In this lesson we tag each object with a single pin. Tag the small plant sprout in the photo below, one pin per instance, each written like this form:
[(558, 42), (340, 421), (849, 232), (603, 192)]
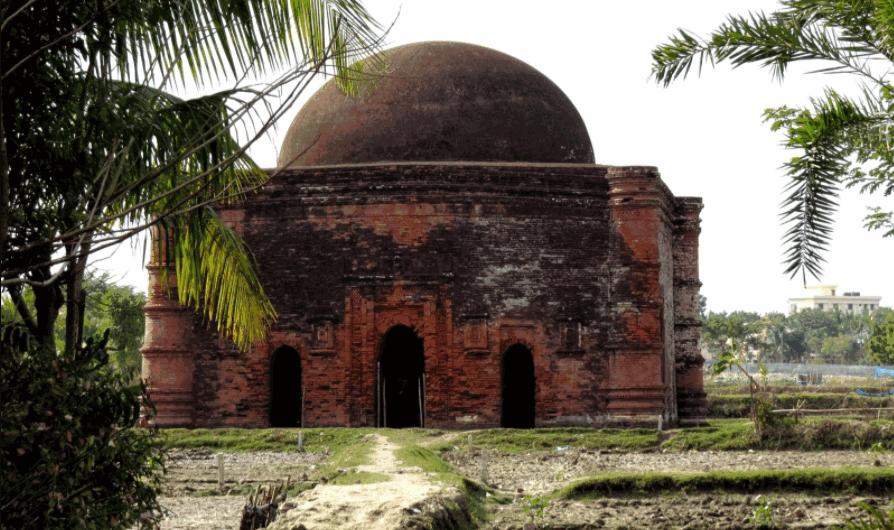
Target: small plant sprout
[(763, 514), (762, 399), (875, 451), (534, 507)]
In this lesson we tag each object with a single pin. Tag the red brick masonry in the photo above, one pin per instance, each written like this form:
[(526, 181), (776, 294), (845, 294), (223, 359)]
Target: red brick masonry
[(593, 269)]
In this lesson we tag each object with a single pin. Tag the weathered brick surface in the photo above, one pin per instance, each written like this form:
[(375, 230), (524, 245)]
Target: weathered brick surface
[(691, 399), (592, 268)]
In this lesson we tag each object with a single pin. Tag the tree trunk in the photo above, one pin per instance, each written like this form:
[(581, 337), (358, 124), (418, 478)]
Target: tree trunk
[(47, 302), (76, 299)]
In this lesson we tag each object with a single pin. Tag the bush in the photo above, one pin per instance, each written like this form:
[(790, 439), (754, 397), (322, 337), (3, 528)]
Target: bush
[(71, 456)]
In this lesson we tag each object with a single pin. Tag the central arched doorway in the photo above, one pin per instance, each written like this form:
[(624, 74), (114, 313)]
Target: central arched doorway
[(400, 380), (518, 388), (286, 400)]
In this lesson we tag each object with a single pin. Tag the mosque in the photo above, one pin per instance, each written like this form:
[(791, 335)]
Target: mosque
[(444, 251)]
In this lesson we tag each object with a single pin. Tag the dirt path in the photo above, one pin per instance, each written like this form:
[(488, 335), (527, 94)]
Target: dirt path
[(377, 506)]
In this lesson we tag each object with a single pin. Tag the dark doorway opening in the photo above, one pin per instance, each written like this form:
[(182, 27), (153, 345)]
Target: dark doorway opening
[(400, 380), (518, 388), (286, 397)]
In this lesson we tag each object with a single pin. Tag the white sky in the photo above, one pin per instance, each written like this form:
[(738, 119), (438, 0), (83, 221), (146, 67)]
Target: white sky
[(705, 134)]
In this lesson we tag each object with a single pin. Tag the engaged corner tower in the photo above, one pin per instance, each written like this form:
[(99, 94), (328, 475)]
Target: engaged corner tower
[(443, 251)]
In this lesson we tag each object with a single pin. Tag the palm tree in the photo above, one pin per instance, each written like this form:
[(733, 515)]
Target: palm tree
[(850, 36), (96, 150)]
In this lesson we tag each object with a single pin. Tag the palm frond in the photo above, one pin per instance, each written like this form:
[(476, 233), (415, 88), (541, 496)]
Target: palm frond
[(181, 159), (207, 41), (821, 134), (215, 274), (772, 41), (838, 136)]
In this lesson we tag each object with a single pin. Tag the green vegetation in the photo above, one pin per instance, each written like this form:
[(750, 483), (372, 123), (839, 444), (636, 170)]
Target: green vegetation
[(116, 308), (761, 396), (839, 140), (726, 435), (124, 150), (546, 439), (410, 436), (232, 440), (810, 335), (422, 458), (358, 477), (69, 455), (825, 481), (534, 507), (739, 405), (347, 456), (881, 341), (807, 434)]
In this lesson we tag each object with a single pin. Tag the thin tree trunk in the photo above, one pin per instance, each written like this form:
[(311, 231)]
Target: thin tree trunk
[(71, 306), (76, 299), (81, 293)]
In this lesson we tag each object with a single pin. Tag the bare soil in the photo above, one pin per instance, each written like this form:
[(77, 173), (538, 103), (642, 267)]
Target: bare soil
[(699, 511), (538, 474), (541, 473), (391, 504)]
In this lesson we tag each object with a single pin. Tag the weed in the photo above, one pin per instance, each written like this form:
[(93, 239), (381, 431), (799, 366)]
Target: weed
[(762, 399), (534, 507), (764, 515), (875, 450)]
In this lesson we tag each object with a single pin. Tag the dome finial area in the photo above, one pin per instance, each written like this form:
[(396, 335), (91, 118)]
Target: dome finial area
[(441, 101)]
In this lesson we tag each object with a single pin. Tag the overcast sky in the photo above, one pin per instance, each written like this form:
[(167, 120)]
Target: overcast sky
[(705, 134)]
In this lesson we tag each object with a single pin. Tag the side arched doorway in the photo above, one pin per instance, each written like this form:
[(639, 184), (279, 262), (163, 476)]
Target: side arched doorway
[(286, 403), (400, 380), (517, 388)]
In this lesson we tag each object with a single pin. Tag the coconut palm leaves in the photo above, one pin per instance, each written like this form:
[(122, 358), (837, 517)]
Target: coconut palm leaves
[(836, 136), (97, 150)]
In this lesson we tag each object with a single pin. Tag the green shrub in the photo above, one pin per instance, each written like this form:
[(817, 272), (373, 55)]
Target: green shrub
[(71, 456)]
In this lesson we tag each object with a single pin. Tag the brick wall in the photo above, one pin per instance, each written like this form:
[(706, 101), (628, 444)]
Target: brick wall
[(575, 262)]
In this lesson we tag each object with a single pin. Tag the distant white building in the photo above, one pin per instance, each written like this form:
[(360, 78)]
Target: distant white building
[(827, 300)]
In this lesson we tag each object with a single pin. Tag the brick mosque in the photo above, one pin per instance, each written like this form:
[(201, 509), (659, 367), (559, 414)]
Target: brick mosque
[(445, 252)]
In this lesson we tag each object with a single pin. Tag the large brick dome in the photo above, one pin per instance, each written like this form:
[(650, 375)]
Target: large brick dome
[(441, 101)]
